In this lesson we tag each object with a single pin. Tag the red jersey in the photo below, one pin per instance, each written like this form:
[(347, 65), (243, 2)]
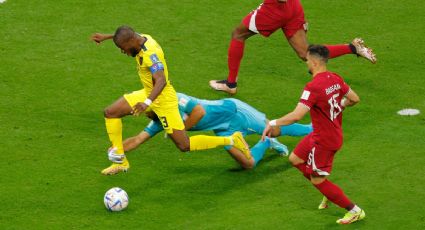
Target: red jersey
[(323, 97)]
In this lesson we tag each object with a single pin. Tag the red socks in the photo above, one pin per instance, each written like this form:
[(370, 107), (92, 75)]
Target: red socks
[(234, 57), (329, 189), (236, 48), (334, 194), (339, 50)]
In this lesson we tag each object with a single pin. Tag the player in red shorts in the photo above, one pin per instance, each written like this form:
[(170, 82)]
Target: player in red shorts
[(271, 15), (325, 97)]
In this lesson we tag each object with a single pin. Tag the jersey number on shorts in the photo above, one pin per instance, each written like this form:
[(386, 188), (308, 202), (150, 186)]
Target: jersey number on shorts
[(310, 160), (164, 122), (335, 108)]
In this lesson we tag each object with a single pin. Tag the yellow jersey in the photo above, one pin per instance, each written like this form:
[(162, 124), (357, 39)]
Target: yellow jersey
[(149, 60)]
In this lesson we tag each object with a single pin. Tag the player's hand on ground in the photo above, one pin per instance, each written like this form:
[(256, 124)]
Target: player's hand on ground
[(98, 37), (267, 132), (139, 108)]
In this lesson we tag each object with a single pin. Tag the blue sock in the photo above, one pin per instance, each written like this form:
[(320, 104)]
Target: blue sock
[(295, 130), (259, 149)]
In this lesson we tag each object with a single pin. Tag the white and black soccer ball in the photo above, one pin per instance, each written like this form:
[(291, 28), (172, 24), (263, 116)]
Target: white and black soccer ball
[(115, 199)]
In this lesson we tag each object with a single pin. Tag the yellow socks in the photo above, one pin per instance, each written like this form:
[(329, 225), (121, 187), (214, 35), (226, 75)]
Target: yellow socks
[(200, 142), (114, 129)]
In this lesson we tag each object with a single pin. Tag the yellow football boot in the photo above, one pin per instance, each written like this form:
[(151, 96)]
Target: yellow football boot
[(324, 203), (240, 143), (351, 217), (117, 168)]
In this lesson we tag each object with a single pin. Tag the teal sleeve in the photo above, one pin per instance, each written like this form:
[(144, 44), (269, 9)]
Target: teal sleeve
[(153, 128), (186, 103), (190, 105)]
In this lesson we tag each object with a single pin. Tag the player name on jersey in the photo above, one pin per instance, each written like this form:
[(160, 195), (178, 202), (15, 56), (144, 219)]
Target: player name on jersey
[(332, 89)]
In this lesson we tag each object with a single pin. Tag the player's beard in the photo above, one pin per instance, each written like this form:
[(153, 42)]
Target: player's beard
[(134, 52)]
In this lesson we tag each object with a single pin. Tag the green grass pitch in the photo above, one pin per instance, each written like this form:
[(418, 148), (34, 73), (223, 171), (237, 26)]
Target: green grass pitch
[(54, 84)]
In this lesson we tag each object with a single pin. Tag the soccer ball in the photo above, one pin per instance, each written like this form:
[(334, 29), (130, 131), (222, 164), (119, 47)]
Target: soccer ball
[(115, 199)]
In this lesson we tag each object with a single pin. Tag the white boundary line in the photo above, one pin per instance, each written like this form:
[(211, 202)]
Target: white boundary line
[(408, 112)]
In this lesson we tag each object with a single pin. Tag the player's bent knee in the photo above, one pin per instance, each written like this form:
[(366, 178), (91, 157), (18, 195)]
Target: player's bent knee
[(183, 147), (116, 112), (248, 166), (236, 34), (241, 33), (317, 179), (295, 160), (109, 113)]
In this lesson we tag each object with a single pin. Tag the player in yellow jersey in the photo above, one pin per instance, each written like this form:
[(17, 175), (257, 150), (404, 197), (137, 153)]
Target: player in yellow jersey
[(160, 97)]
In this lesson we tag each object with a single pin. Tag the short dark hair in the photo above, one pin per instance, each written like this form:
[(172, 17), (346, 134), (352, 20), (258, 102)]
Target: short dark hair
[(123, 34), (319, 51)]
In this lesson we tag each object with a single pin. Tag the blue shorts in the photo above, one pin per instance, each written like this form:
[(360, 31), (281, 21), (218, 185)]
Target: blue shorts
[(247, 121)]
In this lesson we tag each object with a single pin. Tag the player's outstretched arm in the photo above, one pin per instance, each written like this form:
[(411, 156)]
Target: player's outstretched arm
[(98, 37), (350, 99), (297, 114), (133, 142), (158, 85), (194, 117)]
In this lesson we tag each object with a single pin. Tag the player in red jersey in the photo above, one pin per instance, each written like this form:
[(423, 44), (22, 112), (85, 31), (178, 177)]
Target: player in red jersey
[(325, 97), (271, 15)]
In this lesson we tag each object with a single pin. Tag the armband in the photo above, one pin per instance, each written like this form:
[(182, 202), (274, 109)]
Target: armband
[(148, 102)]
